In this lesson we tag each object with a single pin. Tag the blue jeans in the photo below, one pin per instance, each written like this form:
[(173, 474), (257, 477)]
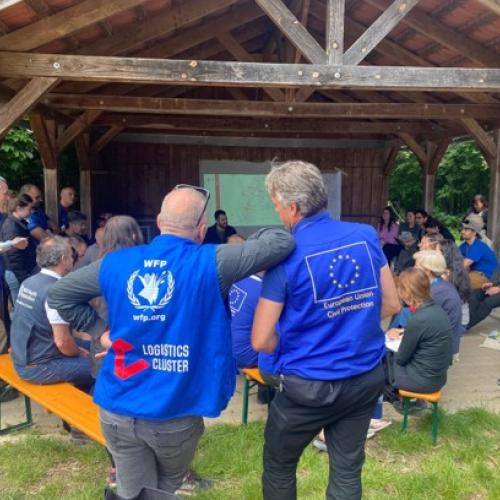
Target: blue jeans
[(73, 370), (13, 284)]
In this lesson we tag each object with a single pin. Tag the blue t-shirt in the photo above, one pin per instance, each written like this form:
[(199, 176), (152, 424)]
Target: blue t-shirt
[(243, 299), (329, 328), (483, 257), (38, 219)]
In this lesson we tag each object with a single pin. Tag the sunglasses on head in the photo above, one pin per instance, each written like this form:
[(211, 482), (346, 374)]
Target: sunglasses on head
[(203, 191)]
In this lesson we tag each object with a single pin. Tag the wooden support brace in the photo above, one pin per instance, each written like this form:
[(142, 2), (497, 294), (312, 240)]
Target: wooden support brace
[(23, 101), (335, 14), (390, 160), (494, 199), (415, 147), (485, 143), (80, 124), (378, 31), (294, 31), (49, 161), (106, 138)]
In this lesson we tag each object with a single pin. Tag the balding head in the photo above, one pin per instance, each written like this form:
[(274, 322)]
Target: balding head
[(180, 214)]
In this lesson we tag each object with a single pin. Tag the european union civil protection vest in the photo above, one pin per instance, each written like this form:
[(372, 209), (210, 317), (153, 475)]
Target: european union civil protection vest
[(330, 325), (171, 352)]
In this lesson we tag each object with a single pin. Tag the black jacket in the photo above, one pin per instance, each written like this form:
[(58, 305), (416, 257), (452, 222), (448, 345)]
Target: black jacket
[(20, 262), (212, 235)]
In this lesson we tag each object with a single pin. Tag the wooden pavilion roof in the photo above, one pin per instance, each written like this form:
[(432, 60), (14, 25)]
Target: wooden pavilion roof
[(406, 71)]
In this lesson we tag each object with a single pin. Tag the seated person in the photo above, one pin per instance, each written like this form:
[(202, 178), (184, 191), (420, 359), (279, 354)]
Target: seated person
[(43, 349), (410, 225), (483, 300), (220, 231), (433, 226), (479, 258), (405, 258), (425, 353), (433, 263)]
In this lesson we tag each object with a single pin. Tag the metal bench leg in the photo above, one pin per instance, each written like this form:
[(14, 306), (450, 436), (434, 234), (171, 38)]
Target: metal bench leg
[(406, 411), (435, 422), (246, 391), (27, 423)]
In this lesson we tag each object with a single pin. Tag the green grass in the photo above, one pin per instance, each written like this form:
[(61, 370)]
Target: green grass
[(464, 465)]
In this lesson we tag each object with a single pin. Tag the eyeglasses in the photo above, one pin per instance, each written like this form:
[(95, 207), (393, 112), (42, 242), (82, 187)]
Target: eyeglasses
[(203, 191)]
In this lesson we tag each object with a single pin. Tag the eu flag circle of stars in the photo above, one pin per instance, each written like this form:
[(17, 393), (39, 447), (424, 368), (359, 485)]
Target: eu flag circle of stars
[(340, 259)]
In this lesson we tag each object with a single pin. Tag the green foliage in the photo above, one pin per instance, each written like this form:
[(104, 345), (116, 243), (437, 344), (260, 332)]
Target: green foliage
[(463, 172), (19, 159)]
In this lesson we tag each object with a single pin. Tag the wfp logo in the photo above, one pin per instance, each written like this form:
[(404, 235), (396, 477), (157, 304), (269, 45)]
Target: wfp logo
[(341, 271), (143, 291)]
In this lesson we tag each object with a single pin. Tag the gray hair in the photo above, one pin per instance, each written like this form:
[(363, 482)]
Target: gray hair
[(299, 182), (182, 212), (3, 180), (121, 231), (50, 250)]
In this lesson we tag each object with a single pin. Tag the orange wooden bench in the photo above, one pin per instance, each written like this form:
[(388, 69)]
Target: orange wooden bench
[(64, 400)]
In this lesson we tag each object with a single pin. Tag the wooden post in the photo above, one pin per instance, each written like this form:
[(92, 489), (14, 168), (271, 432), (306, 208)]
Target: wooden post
[(494, 200), (434, 155), (50, 170), (85, 163), (429, 185)]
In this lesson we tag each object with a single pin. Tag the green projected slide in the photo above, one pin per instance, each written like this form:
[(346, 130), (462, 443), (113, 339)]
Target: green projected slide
[(243, 197)]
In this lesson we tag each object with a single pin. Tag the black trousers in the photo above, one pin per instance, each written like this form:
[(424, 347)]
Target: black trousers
[(480, 306), (343, 409)]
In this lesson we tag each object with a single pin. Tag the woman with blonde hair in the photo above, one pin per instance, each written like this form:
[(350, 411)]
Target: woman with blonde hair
[(433, 263), (423, 358)]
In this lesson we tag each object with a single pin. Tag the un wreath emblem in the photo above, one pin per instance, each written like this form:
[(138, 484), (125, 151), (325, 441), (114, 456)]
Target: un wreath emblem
[(151, 285)]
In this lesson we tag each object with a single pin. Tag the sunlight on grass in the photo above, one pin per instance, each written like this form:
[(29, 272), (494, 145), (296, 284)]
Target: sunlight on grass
[(464, 464)]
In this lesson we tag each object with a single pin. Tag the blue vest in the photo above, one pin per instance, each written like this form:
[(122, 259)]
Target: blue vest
[(171, 354), (330, 325)]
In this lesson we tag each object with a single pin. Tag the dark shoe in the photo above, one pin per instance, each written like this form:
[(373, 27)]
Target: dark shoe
[(79, 438), (193, 483), (8, 394), (416, 406)]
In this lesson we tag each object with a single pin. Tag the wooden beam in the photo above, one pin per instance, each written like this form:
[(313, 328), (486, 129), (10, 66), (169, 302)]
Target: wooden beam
[(255, 125), (38, 6), (435, 153), (306, 5), (383, 25), (238, 51), (162, 24), (12, 111), (49, 161), (63, 23), (158, 105), (81, 124), (135, 70), (390, 160), (415, 147), (85, 163), (293, 30), (483, 140), (106, 138), (429, 26), (335, 14), (494, 199), (493, 5)]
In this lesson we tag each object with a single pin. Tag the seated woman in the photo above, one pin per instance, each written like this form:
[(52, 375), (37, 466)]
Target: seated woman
[(433, 263), (423, 358)]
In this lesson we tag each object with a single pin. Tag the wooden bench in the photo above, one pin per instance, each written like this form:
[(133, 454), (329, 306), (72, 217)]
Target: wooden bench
[(64, 400), (432, 397)]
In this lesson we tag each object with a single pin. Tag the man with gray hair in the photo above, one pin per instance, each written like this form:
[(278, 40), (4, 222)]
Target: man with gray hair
[(326, 301), (170, 360), (43, 348)]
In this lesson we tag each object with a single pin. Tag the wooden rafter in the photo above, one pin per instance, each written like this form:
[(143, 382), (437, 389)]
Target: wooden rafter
[(485, 143), (159, 25), (306, 5), (382, 26), (428, 26), (158, 105), (216, 73), (12, 111), (293, 30), (63, 23), (335, 15)]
